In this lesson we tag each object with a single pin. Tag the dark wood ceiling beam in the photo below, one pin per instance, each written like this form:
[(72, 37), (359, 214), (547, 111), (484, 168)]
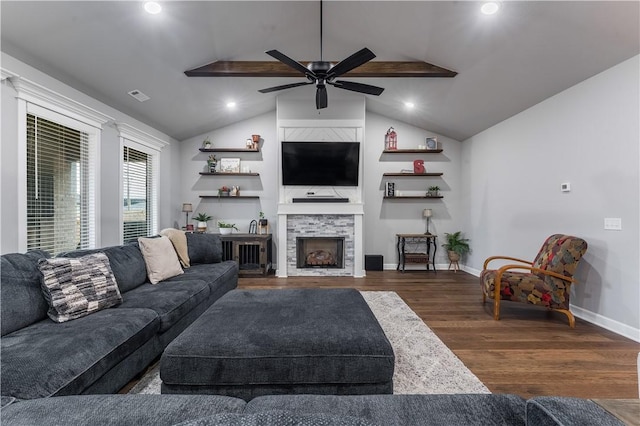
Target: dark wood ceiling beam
[(278, 69)]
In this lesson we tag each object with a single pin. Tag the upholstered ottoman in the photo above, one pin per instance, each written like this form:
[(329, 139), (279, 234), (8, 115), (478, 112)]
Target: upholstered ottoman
[(265, 342)]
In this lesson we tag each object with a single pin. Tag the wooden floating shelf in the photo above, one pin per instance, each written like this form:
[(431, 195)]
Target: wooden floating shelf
[(412, 174), (229, 150), (410, 197), (412, 151), (229, 174), (231, 197)]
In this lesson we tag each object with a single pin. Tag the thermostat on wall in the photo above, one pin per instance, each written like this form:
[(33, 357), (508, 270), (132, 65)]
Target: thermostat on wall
[(565, 187)]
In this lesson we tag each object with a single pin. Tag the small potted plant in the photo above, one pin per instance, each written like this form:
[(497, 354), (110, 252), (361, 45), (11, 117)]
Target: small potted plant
[(206, 143), (456, 246), (433, 191), (224, 191), (212, 162), (226, 228), (262, 221), (202, 219)]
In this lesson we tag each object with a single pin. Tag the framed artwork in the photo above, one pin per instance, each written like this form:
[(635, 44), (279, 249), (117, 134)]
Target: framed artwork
[(432, 143), (229, 165)]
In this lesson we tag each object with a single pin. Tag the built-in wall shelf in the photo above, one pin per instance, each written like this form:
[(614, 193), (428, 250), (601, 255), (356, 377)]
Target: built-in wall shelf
[(231, 197), (412, 151), (412, 174), (411, 197), (229, 174), (229, 150)]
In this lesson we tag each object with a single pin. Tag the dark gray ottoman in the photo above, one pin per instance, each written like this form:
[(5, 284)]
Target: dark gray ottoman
[(266, 342)]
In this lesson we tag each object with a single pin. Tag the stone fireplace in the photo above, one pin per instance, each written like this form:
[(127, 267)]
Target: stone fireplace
[(320, 252), (332, 230)]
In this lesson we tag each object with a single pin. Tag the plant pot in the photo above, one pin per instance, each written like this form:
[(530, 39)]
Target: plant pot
[(263, 222), (202, 227), (225, 231), (223, 193), (453, 256)]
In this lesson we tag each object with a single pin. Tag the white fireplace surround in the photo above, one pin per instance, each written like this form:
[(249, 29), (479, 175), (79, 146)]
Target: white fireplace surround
[(286, 265)]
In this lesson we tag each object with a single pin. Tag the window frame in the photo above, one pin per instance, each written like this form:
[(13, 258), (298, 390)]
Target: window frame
[(45, 103)]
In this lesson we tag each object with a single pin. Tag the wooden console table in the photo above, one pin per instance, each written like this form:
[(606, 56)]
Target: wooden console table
[(251, 251), (427, 257)]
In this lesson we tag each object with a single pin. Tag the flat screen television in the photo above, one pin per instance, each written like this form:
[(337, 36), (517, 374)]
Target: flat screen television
[(320, 163)]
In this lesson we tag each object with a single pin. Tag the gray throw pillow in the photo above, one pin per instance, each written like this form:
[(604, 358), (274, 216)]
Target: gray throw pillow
[(77, 287)]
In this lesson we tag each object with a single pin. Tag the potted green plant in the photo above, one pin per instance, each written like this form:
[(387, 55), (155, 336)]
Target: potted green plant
[(456, 246), (202, 219), (206, 144), (262, 221), (433, 191), (226, 228)]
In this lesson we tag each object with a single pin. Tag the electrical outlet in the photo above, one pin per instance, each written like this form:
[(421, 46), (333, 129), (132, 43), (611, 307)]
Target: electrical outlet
[(613, 223), (565, 187)]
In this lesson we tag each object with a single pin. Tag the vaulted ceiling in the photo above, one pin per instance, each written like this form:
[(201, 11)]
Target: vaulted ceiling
[(505, 62)]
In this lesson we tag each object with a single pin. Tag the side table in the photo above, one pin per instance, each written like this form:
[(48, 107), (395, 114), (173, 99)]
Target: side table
[(417, 240)]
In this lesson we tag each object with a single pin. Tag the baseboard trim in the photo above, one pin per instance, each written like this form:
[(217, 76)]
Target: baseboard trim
[(607, 323)]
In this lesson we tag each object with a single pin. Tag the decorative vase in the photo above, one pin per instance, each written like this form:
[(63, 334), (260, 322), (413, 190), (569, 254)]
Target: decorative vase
[(225, 231), (202, 227)]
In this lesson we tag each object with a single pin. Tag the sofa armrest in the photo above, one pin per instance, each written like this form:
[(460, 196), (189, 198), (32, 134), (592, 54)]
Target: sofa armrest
[(566, 411)]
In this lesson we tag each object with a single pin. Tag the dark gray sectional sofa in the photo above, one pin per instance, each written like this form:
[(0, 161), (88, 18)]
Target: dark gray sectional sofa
[(102, 352), (383, 410)]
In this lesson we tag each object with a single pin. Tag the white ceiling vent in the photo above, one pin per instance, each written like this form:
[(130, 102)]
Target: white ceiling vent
[(139, 95)]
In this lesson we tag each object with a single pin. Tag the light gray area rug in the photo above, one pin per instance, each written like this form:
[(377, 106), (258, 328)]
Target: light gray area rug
[(424, 365)]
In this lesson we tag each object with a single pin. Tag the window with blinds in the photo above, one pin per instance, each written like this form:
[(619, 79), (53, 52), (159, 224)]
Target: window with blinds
[(59, 187), (138, 194)]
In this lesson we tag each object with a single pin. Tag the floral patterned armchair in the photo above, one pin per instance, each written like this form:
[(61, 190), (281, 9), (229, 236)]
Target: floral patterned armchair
[(546, 281)]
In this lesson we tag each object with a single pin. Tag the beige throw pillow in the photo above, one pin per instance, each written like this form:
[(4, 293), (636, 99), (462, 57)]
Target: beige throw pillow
[(160, 258), (179, 240)]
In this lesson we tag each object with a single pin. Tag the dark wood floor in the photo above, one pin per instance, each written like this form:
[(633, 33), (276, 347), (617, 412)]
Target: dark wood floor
[(529, 352)]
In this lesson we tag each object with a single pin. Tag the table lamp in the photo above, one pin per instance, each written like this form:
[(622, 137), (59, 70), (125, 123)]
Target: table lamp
[(427, 213), (187, 208)]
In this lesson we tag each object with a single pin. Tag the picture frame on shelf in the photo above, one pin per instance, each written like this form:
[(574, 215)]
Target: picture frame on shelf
[(229, 165), (432, 143)]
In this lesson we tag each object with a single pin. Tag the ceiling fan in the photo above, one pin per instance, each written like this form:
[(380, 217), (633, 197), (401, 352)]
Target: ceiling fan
[(322, 73)]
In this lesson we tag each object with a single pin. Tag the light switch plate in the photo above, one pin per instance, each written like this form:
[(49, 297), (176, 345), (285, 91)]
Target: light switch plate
[(613, 223), (565, 187)]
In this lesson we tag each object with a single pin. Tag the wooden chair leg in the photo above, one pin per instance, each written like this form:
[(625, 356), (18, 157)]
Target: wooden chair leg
[(496, 308), (572, 320)]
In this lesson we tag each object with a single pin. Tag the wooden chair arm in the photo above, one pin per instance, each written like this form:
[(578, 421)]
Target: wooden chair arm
[(489, 259)]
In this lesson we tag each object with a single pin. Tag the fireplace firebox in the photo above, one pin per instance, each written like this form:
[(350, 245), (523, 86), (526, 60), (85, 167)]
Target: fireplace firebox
[(320, 252)]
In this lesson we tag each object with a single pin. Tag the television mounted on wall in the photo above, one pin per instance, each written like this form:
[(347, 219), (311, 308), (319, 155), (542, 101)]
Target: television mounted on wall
[(320, 163)]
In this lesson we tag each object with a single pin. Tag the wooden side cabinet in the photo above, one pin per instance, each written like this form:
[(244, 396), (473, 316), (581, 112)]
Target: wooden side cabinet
[(253, 252)]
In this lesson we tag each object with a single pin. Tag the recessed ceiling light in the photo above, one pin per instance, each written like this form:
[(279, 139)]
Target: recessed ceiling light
[(152, 7), (409, 105), (231, 105), (489, 8)]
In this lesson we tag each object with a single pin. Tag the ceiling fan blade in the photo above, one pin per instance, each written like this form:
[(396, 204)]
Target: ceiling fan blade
[(321, 97), (358, 87), (284, 86), (290, 62), (353, 61)]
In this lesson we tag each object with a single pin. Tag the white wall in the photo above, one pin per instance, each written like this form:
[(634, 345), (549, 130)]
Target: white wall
[(587, 135), (109, 191), (384, 219)]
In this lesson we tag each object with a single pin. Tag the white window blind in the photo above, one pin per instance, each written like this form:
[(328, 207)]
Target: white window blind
[(60, 187), (139, 194)]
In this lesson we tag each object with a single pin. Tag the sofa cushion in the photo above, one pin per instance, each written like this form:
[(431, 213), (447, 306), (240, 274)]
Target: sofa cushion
[(48, 358), (276, 418), (126, 263), (78, 287), (22, 300), (170, 300), (99, 410), (204, 248), (160, 257), (178, 239), (565, 411), (436, 410), (221, 277)]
